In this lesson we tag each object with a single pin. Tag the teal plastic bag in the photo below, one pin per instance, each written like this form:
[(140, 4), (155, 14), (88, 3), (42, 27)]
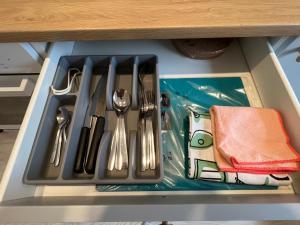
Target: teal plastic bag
[(199, 94)]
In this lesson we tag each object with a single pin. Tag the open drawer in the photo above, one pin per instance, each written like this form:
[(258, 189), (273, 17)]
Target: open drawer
[(250, 57)]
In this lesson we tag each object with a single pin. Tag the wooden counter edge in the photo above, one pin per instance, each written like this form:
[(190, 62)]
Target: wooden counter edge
[(151, 33)]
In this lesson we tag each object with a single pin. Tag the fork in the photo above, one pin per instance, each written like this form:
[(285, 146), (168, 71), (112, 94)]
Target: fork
[(147, 136)]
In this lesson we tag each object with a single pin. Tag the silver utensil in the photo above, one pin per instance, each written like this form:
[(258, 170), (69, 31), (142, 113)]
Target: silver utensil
[(142, 95), (147, 135), (165, 118), (147, 105), (60, 121), (149, 130), (61, 137), (143, 109), (118, 157)]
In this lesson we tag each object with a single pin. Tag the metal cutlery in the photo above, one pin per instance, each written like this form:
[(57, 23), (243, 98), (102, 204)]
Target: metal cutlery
[(61, 137), (165, 105), (148, 155), (143, 105), (92, 131), (147, 105), (118, 157)]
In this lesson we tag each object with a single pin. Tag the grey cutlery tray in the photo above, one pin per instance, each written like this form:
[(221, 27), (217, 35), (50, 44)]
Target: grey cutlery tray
[(122, 72)]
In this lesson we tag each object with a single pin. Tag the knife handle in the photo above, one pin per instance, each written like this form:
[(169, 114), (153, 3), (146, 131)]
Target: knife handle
[(82, 149), (97, 135)]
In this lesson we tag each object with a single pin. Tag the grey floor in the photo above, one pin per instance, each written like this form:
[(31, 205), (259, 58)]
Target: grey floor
[(7, 139)]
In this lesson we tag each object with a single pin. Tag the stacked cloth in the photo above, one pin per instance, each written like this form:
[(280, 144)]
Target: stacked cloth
[(203, 163), (251, 140)]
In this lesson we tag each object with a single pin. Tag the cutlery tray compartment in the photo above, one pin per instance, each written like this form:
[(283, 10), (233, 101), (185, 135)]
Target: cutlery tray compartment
[(39, 170), (122, 72), (40, 167)]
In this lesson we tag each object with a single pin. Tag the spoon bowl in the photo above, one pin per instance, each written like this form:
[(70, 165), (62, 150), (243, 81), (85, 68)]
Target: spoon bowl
[(64, 113), (121, 101)]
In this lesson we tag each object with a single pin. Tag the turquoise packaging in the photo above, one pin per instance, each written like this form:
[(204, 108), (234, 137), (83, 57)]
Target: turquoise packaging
[(199, 94)]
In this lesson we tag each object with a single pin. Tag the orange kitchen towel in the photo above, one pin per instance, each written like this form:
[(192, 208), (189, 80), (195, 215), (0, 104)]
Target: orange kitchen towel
[(251, 140)]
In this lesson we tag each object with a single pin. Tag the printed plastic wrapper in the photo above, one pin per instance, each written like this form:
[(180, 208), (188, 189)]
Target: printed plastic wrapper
[(196, 94)]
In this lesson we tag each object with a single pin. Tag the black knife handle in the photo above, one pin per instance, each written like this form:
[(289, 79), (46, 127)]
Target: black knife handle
[(97, 135), (82, 149)]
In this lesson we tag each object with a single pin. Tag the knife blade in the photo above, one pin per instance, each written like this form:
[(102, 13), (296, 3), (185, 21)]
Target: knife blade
[(85, 139)]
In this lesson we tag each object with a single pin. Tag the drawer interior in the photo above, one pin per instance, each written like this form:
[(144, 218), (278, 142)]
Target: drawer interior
[(250, 58)]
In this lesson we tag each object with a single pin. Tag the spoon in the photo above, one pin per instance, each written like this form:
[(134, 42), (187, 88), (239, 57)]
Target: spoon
[(119, 155), (121, 101), (62, 120), (63, 138)]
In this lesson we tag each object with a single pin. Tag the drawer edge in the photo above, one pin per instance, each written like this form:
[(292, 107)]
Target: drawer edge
[(154, 208), (13, 174)]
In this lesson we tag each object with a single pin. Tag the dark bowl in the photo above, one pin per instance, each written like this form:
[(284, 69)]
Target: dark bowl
[(203, 48)]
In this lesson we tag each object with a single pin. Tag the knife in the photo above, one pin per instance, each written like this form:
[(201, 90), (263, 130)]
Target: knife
[(97, 130), (92, 131)]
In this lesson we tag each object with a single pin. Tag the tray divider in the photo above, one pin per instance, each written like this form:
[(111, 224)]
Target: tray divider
[(111, 82), (157, 136), (134, 91), (103, 154), (61, 71), (132, 155)]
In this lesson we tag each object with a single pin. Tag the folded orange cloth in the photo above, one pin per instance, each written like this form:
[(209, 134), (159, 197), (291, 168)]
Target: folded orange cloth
[(251, 140)]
